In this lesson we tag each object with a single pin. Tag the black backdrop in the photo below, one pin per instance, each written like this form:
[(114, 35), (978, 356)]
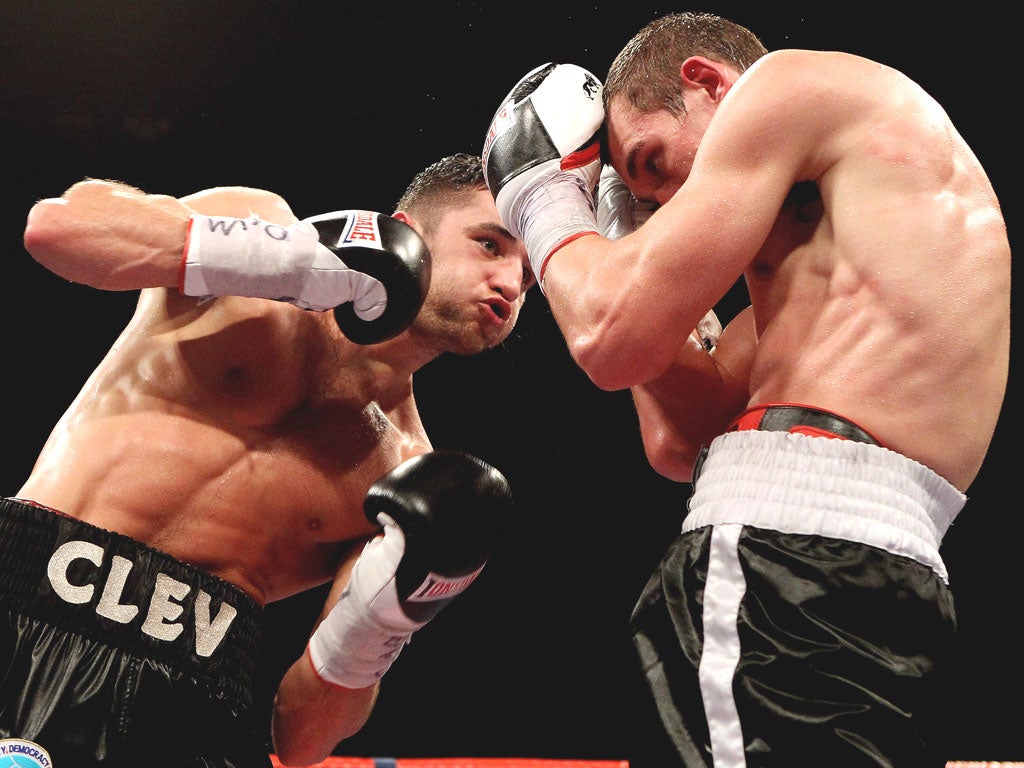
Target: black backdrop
[(336, 105)]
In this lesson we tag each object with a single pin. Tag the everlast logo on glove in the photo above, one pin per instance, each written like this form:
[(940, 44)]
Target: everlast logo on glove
[(80, 572)]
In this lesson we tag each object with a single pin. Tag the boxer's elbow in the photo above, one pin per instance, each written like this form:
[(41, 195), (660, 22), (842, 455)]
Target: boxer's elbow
[(614, 362), (45, 231), (670, 451), (296, 746), (670, 458), (294, 754)]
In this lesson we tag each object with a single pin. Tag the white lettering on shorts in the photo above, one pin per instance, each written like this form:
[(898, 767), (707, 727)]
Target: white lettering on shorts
[(165, 602)]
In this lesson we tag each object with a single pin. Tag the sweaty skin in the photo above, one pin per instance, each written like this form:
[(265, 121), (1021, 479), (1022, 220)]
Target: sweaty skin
[(241, 435), (870, 239)]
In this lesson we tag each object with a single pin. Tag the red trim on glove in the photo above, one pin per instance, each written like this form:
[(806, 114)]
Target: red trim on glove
[(184, 257), (569, 239), (581, 157)]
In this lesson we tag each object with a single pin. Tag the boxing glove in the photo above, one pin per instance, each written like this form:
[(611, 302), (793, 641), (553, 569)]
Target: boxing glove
[(619, 213), (442, 514), (387, 250), (376, 290), (542, 159)]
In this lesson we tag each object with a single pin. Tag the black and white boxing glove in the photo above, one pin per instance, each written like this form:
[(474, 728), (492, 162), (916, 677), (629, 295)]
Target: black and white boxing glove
[(372, 269), (442, 512), (619, 213), (542, 158)]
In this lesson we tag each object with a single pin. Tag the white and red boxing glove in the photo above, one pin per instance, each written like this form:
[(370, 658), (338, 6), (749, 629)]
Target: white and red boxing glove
[(443, 513), (619, 213), (376, 290), (542, 158)]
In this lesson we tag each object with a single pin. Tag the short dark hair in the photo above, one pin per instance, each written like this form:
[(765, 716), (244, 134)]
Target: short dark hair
[(440, 186), (646, 70)]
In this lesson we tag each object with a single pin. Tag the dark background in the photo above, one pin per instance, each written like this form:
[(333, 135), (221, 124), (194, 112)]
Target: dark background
[(336, 105)]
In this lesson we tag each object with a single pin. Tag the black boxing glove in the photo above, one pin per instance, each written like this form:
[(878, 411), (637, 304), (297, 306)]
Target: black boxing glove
[(376, 290), (443, 513), (384, 249)]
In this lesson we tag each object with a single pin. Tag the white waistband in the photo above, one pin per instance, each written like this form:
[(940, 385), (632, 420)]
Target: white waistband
[(818, 485)]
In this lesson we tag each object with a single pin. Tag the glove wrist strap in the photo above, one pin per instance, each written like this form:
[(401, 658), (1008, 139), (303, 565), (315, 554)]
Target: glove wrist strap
[(553, 213), (361, 637), (227, 256), (351, 649)]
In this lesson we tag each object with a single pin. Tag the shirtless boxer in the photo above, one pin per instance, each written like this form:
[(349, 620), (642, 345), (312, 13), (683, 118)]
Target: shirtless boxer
[(803, 616), (236, 447)]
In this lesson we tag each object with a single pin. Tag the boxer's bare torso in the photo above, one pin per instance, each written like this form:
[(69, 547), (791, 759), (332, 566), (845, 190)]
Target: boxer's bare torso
[(233, 438), (237, 435), (870, 239)]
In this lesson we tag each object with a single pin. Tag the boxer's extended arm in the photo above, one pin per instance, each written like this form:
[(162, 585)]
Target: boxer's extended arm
[(442, 513), (112, 236), (236, 241), (373, 268), (109, 235)]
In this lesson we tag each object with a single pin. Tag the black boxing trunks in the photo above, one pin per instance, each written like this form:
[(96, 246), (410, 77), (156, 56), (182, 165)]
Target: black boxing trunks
[(803, 615), (116, 654)]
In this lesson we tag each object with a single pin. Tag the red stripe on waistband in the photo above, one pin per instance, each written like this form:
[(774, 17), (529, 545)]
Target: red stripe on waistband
[(800, 419)]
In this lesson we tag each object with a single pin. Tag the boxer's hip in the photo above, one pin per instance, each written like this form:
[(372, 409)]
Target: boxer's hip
[(102, 585), (764, 473)]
